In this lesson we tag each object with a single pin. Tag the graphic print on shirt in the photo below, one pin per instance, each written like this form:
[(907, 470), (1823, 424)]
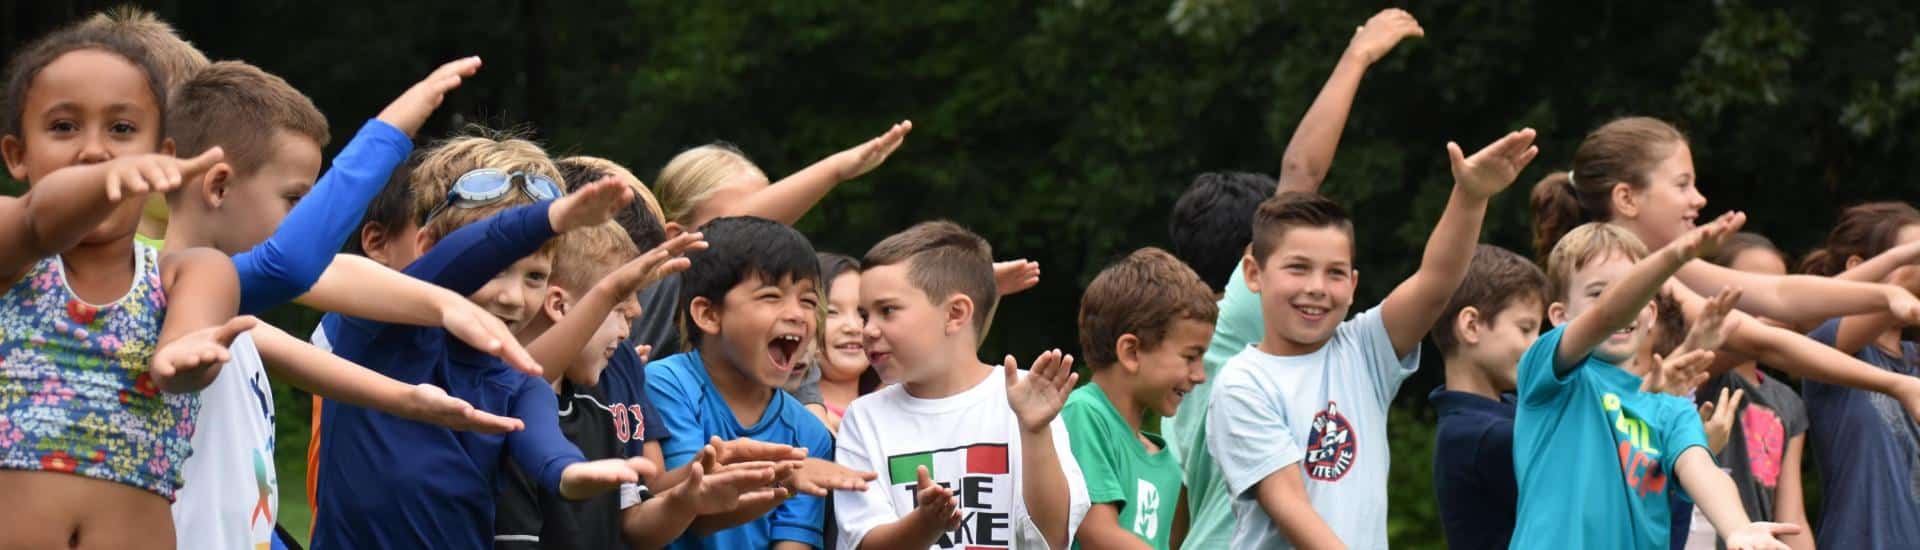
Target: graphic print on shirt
[(1639, 459), (1766, 443), (1146, 518), (980, 480), (628, 430), (1331, 446)]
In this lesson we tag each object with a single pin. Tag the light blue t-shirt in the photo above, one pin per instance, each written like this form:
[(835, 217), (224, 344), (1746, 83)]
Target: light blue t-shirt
[(1594, 455), (1209, 503), (693, 411), (1327, 412)]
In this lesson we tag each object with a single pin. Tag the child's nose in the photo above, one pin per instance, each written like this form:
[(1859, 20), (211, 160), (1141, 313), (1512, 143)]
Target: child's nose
[(94, 150)]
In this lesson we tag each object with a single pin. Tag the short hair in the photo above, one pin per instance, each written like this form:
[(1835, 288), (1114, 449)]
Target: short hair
[(641, 218), (1670, 325), (692, 176), (175, 58), (1293, 209), (739, 248), (584, 256), (1496, 279), (1213, 222), (1142, 294), (943, 259), (1586, 244), (27, 63), (446, 161), (239, 107), (1741, 242), (392, 208)]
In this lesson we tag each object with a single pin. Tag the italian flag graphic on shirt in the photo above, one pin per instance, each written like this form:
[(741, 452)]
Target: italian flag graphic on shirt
[(980, 480)]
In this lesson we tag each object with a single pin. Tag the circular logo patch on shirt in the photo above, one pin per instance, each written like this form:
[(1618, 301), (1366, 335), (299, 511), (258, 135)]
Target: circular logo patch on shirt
[(1330, 445)]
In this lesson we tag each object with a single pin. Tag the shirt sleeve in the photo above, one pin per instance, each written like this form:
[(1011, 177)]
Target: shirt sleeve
[(858, 513), (1683, 429), (799, 519), (1092, 451), (1385, 368), (1538, 385), (1792, 410), (466, 259), (1247, 432), (678, 412), (540, 449), (287, 264), (1826, 333)]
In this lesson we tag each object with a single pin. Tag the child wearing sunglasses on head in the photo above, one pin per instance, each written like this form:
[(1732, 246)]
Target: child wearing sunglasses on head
[(485, 236)]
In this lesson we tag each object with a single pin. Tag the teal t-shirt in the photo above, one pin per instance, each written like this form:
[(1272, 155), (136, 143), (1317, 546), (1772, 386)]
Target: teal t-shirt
[(1209, 502), (1595, 456), (1119, 469)]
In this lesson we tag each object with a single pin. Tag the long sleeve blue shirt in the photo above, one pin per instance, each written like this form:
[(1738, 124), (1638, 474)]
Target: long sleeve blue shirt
[(289, 262), (388, 482)]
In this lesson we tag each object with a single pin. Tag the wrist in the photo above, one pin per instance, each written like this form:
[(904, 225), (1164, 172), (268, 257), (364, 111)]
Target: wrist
[(1356, 56)]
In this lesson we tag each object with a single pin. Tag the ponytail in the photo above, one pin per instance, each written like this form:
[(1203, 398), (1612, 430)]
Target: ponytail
[(1556, 210)]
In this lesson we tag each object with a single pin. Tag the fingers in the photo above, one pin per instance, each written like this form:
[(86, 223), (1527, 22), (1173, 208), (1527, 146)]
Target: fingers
[(485, 422), (203, 161), (1457, 158), (1010, 370), (1734, 402), (642, 467), (761, 497), (225, 334), (465, 66), (1779, 528)]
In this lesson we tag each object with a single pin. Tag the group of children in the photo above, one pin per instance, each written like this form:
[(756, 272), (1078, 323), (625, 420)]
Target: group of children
[(528, 352)]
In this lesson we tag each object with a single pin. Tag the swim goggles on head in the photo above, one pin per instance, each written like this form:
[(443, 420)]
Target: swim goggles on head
[(487, 186)]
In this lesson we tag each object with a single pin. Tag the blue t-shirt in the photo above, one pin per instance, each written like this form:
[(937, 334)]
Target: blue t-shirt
[(1473, 468), (1869, 456), (388, 482), (694, 411), (1593, 455)]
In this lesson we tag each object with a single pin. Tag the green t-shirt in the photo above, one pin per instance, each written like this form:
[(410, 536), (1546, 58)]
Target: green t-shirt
[(1119, 469)]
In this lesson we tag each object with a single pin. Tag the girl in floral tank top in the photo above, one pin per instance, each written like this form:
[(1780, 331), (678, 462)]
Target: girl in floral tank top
[(76, 397)]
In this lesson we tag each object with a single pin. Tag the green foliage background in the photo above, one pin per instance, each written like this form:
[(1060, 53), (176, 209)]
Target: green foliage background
[(1063, 130)]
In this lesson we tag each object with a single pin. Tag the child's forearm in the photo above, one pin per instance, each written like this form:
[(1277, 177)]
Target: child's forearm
[(53, 215), (790, 198), (1801, 356), (356, 286), (1879, 267), (1712, 491), (1789, 504), (328, 376), (1045, 489), (555, 349), (1413, 307), (1617, 307), (658, 521), (1310, 152), (707, 525), (1790, 298), (203, 292), (466, 259), (1283, 496)]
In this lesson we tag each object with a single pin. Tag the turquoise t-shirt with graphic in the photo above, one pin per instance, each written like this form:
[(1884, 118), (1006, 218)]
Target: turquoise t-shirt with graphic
[(1119, 470), (1594, 456)]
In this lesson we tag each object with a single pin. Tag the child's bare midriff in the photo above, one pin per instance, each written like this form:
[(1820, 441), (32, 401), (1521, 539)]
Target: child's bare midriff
[(70, 511)]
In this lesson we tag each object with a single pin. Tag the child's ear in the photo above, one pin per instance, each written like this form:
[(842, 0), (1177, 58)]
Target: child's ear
[(1852, 261), (555, 306), (1466, 326), (1625, 205), (674, 229), (1557, 313), (1251, 269), (166, 146), (1126, 351), (216, 182), (959, 309), (15, 152), (705, 317), (422, 242), (373, 241)]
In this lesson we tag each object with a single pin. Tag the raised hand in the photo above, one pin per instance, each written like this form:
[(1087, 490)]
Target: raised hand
[(1719, 418), (1760, 535), (137, 175), (1677, 375), (1712, 327), (428, 403), (1493, 168), (1704, 240), (1037, 397), (191, 361), (483, 331), (584, 480), (663, 260), (1383, 31), (818, 477), (863, 158), (589, 205), (411, 109), (1015, 276), (935, 509)]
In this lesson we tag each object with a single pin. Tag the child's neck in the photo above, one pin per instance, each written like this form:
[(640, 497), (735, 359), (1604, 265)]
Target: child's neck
[(962, 372), (1113, 384), (1749, 370), (1465, 377), (839, 393), (746, 397), (1274, 344), (99, 273), (1889, 342), (186, 228)]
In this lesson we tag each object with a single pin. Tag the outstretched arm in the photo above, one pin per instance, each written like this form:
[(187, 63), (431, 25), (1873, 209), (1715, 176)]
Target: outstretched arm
[(192, 344), (329, 376), (1410, 311), (790, 198), (65, 205), (1719, 500), (1802, 299), (1304, 164), (360, 287), (1283, 496), (554, 350), (1623, 299)]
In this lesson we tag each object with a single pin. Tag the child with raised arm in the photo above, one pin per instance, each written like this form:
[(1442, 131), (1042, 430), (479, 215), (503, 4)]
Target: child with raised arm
[(1304, 165), (975, 455), (1144, 323), (97, 393), (1594, 454), (1298, 421)]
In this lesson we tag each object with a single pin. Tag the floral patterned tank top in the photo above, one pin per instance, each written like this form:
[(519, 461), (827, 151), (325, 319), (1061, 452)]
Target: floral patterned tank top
[(75, 396)]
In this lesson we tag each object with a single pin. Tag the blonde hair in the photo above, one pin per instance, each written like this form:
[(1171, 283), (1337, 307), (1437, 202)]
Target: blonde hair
[(175, 58), (447, 160), (584, 256), (583, 169), (1583, 245), (694, 175)]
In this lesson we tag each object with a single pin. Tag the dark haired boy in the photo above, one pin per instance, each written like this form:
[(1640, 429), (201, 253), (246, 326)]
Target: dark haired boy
[(1144, 325), (1298, 421), (1485, 328), (975, 455)]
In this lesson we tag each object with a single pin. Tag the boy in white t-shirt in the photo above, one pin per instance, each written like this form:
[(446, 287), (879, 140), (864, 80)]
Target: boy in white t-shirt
[(1298, 421), (970, 455)]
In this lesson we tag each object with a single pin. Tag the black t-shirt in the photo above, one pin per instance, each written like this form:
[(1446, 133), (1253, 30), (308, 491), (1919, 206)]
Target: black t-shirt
[(609, 420)]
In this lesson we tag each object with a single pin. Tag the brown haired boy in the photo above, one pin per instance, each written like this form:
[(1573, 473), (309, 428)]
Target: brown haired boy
[(1144, 324), (972, 453)]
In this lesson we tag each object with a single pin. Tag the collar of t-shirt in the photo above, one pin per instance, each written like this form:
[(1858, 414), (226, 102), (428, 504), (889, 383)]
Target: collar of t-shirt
[(985, 388), (1449, 402)]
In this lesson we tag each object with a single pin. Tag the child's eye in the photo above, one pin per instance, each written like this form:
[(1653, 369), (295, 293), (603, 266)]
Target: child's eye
[(122, 127), (63, 126), (536, 277)]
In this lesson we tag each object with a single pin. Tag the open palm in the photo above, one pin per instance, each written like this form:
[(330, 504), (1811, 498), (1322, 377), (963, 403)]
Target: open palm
[(1037, 397), (1493, 168)]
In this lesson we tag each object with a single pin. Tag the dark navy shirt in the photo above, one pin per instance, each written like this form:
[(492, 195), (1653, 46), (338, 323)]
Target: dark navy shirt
[(1473, 476)]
